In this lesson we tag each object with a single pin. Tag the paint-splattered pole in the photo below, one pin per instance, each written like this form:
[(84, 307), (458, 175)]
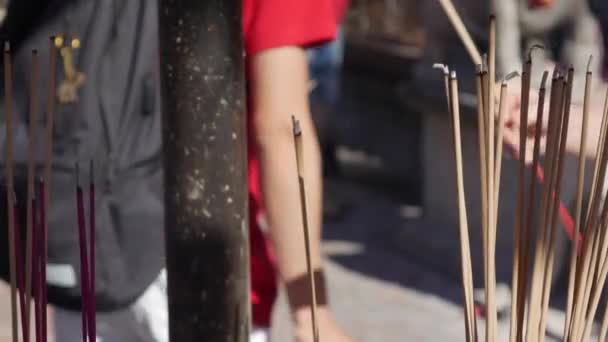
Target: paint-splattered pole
[(206, 219)]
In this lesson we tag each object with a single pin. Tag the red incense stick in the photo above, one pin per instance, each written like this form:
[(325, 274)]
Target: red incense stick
[(92, 304), (42, 258), (19, 259), (84, 275)]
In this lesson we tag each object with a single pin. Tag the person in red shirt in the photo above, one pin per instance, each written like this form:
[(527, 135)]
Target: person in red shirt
[(276, 34)]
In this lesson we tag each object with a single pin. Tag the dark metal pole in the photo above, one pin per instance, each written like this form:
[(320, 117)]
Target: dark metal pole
[(206, 220)]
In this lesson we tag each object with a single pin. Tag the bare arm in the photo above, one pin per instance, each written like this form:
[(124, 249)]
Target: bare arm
[(279, 89)]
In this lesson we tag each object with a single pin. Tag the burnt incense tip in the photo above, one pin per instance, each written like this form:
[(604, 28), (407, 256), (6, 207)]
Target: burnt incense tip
[(446, 70), (77, 174), (532, 49), (479, 69), (92, 170), (589, 64), (492, 17), (453, 75), (297, 130), (509, 77), (543, 82)]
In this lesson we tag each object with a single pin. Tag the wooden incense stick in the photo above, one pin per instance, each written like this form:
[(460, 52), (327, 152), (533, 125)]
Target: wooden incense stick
[(84, 265), (491, 314), (591, 239), (461, 30), (536, 280), (595, 295), (583, 289), (527, 233), (465, 249), (471, 321), (556, 195), (32, 148), (483, 165), (582, 263), (20, 277), (297, 133), (8, 103), (46, 184), (519, 213), (546, 220), (579, 202)]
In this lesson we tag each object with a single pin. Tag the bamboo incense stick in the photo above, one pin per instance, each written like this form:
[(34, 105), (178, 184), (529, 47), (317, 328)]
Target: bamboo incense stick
[(594, 301), (33, 132), (467, 277), (483, 172), (556, 195), (491, 314), (537, 272), (516, 284), (461, 30), (297, 133), (527, 232), (579, 201), (590, 241), (8, 103), (84, 265), (547, 220)]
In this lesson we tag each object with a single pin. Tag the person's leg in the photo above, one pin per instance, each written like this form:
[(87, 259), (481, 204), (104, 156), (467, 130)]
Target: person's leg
[(151, 309)]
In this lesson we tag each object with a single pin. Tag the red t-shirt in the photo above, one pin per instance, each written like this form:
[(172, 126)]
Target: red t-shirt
[(270, 24)]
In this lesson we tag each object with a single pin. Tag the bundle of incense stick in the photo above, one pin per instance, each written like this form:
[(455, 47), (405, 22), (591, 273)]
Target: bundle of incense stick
[(28, 265), (536, 220)]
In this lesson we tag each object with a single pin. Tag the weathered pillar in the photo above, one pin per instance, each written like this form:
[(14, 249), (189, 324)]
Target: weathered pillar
[(206, 223)]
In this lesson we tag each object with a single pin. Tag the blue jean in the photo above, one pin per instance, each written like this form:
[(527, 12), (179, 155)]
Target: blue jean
[(325, 63)]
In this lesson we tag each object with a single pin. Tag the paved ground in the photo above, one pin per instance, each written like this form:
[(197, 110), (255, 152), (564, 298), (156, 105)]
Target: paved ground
[(379, 291)]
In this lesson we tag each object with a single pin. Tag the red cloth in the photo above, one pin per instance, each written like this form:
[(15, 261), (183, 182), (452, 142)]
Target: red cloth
[(270, 24)]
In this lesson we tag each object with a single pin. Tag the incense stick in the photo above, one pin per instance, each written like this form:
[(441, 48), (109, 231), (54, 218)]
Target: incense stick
[(84, 265), (556, 195), (537, 272), (579, 202), (92, 300), (491, 314), (19, 261), (527, 233), (39, 265), (461, 30), (33, 132), (519, 213), (8, 103), (297, 133), (46, 183), (483, 172), (590, 236), (467, 278)]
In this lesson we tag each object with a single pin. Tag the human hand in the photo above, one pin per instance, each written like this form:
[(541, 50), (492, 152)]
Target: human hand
[(513, 124)]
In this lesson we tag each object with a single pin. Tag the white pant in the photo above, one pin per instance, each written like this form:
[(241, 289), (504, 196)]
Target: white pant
[(147, 320)]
